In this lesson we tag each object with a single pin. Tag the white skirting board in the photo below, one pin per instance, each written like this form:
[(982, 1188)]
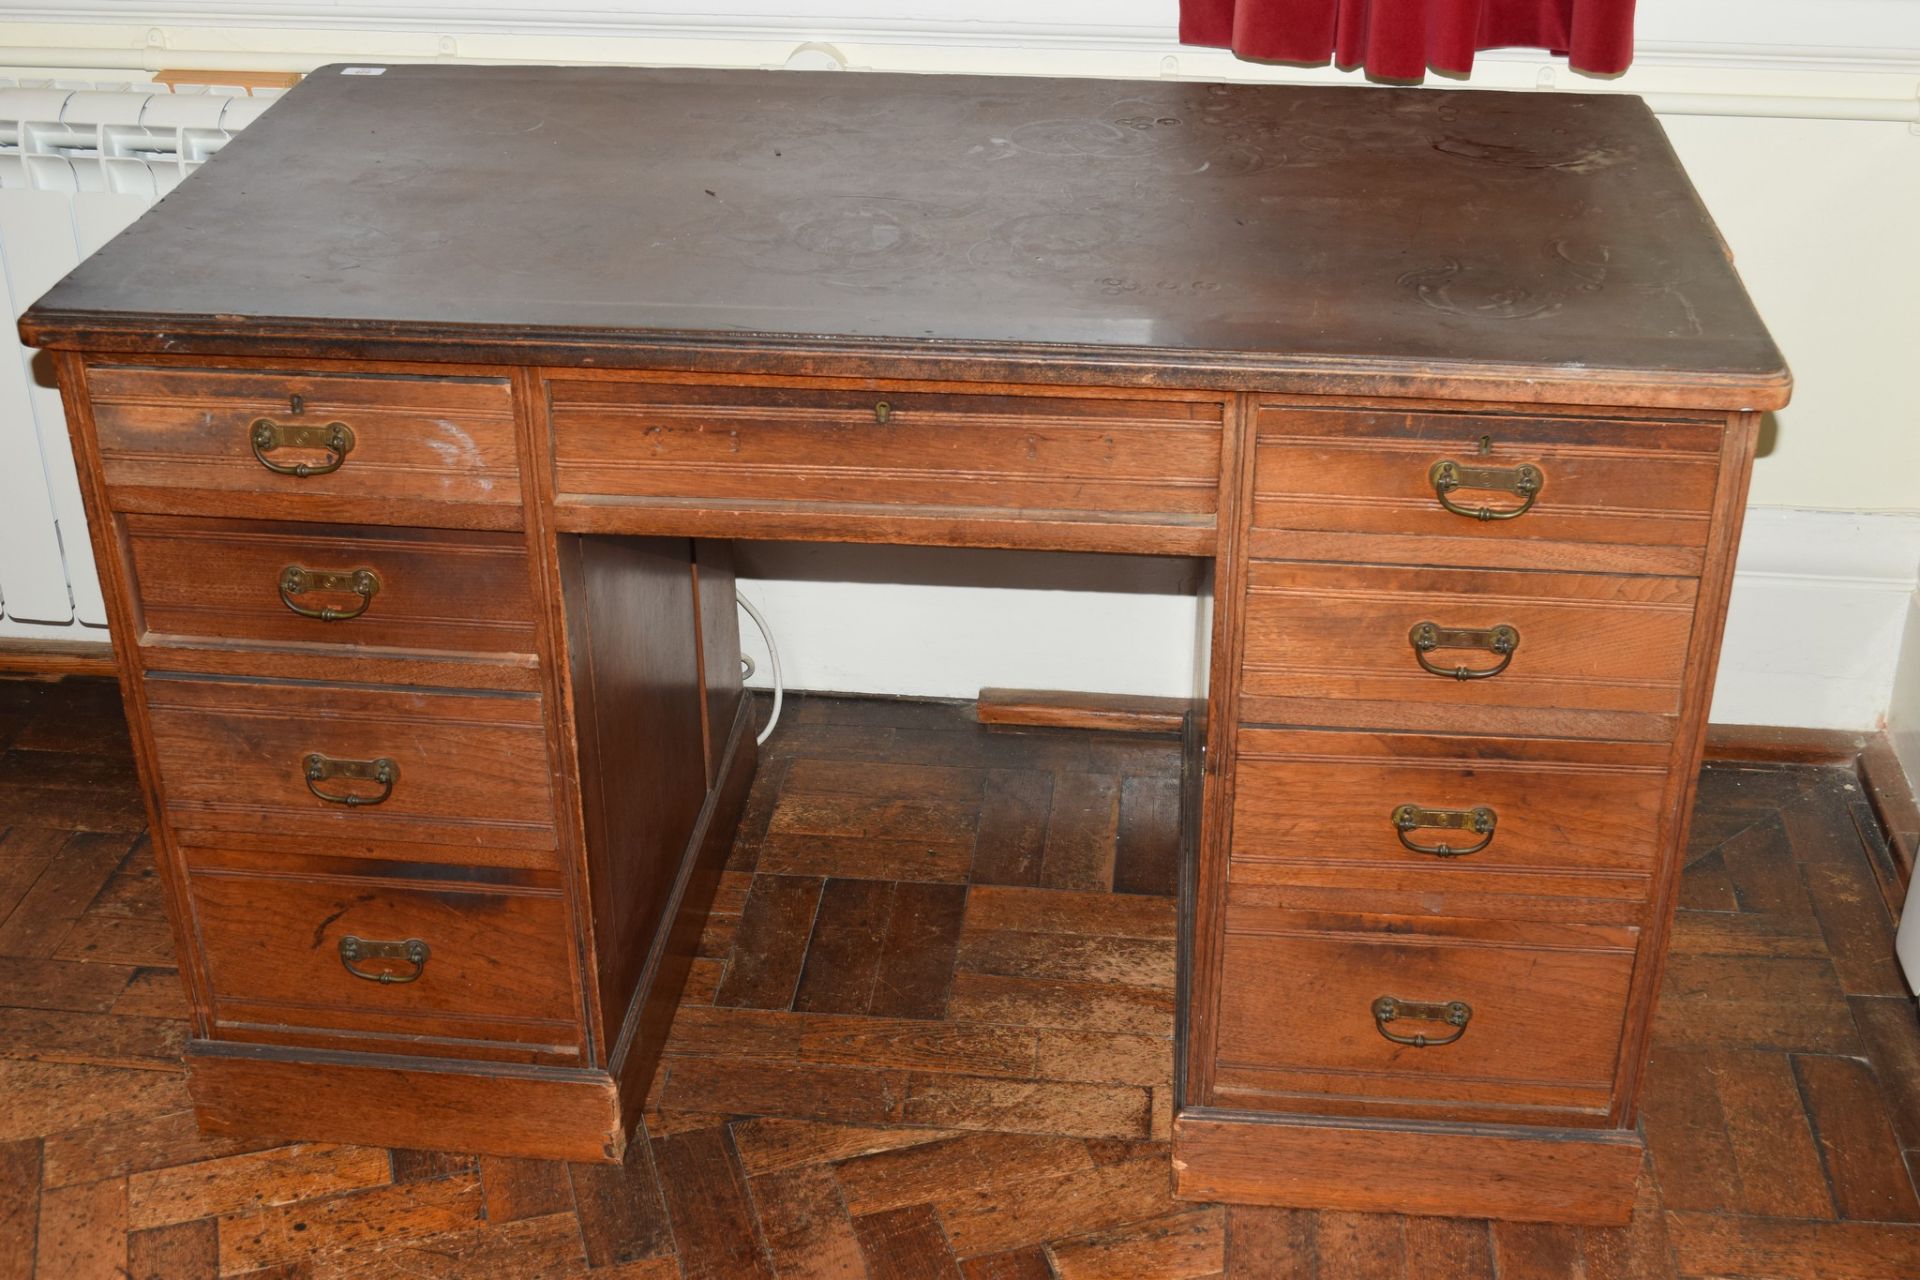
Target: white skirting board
[(1820, 603)]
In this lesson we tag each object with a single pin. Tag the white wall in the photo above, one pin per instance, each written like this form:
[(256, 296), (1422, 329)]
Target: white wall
[(1799, 121)]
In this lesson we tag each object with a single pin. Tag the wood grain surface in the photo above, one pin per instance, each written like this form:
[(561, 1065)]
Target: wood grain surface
[(1290, 237)]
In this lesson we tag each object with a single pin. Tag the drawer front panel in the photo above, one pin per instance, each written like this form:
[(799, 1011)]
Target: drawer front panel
[(490, 965), (1538, 807), (1583, 641), (761, 445), (254, 581), (414, 440), (466, 770), (1545, 1009), (1619, 484)]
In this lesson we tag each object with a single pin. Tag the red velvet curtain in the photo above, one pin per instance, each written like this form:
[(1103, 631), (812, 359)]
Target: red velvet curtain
[(1401, 39)]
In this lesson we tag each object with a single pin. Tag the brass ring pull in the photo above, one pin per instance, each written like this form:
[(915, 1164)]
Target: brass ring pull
[(1454, 1013), (298, 581), (1480, 820), (883, 413), (353, 950), (1523, 482), (266, 435), (318, 768), (1501, 641)]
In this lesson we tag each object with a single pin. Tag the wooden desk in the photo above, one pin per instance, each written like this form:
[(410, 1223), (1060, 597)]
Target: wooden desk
[(413, 430)]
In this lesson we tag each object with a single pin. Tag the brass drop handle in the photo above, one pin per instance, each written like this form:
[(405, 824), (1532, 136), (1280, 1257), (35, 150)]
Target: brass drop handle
[(883, 413), (1453, 1013), (266, 435), (318, 768), (1502, 641), (1409, 818), (413, 951), (295, 580), (1523, 482)]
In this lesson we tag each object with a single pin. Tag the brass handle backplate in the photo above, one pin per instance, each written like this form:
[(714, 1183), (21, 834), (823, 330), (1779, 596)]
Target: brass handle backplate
[(296, 580), (1523, 482), (353, 950), (1501, 641), (266, 435), (1453, 1013), (1409, 818), (317, 768)]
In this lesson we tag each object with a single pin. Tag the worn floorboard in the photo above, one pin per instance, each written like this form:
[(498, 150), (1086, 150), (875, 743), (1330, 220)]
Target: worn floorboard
[(929, 1034)]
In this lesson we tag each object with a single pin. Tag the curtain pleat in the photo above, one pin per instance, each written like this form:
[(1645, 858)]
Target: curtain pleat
[(1402, 39)]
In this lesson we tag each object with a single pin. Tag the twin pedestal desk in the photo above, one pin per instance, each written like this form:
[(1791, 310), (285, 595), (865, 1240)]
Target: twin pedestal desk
[(414, 429)]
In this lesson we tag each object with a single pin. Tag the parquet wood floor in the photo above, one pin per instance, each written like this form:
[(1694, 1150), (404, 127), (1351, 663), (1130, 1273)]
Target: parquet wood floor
[(929, 1036)]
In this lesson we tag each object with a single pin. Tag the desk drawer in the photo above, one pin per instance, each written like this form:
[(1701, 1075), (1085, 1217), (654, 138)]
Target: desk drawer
[(1637, 495), (461, 962), (355, 585), (1530, 811), (208, 441), (759, 444), (1585, 642), (1543, 1011), (462, 771)]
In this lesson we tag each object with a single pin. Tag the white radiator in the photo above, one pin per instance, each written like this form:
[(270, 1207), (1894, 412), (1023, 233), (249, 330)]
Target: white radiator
[(77, 164)]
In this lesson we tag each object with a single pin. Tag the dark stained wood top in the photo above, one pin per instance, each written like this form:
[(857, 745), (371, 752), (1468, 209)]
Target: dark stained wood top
[(1536, 246)]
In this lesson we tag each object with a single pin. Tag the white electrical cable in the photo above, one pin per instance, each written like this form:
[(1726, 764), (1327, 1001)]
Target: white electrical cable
[(773, 660)]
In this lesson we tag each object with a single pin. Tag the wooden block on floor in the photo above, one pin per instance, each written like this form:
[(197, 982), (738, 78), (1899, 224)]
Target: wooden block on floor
[(1687, 1131), (1083, 832), (1754, 1002), (32, 983), (1046, 911), (1133, 962), (171, 1252), (1364, 1246), (622, 1216), (351, 1227), (708, 1207), (54, 1097), (1864, 1163), (83, 1230), (939, 1170), (841, 1094), (769, 1144), (1067, 1006), (1713, 1245), (103, 1039), (1011, 837), (917, 953), (1268, 1241), (19, 1204), (943, 861), (1766, 1124), (229, 1186), (1177, 1246), (771, 945), (1147, 859), (805, 1224), (1455, 1249), (843, 955), (517, 1189), (906, 1243), (1036, 1210)]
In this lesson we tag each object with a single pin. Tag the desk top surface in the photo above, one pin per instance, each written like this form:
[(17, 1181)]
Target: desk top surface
[(1152, 230)]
